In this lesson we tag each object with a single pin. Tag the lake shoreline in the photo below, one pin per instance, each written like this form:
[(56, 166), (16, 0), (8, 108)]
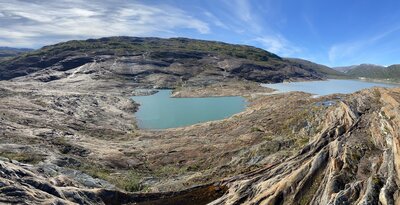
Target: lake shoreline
[(326, 87), (161, 111)]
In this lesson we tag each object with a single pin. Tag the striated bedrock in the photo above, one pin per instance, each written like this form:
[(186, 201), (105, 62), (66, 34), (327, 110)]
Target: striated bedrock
[(21, 184), (165, 63), (68, 133), (284, 149), (354, 159)]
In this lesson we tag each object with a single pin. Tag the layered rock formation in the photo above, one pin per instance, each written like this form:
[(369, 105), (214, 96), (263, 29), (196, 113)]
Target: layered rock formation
[(159, 62), (19, 185), (345, 153), (354, 159), (68, 133)]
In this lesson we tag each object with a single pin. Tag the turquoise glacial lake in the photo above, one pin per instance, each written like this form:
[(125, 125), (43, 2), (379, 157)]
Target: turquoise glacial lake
[(160, 111), (327, 87)]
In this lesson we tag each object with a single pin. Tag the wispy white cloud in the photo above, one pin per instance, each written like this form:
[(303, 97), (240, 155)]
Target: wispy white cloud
[(341, 51), (278, 44), (244, 10), (313, 30), (27, 23), (242, 16), (216, 20)]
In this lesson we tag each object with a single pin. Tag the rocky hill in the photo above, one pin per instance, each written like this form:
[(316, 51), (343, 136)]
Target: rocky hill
[(391, 73), (344, 69), (68, 134), (325, 70), (8, 52), (167, 62)]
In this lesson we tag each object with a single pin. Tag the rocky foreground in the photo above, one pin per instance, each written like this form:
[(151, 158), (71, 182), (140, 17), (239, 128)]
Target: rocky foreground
[(62, 143), (68, 133)]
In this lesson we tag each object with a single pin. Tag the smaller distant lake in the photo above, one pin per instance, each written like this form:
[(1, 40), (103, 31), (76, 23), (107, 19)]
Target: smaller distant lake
[(327, 87), (160, 111)]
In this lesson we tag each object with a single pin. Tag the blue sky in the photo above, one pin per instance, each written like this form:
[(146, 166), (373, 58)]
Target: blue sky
[(330, 32)]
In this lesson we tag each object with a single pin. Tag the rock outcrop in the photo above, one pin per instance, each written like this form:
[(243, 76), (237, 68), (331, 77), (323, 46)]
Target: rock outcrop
[(354, 159), (68, 133), (20, 185), (159, 62), (285, 149)]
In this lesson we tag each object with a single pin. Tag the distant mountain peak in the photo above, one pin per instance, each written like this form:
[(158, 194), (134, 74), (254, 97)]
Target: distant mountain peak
[(9, 52), (372, 71), (346, 69)]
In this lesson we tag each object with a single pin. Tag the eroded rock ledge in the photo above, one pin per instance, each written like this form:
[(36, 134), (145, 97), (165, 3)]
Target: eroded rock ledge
[(354, 159), (351, 156), (20, 185)]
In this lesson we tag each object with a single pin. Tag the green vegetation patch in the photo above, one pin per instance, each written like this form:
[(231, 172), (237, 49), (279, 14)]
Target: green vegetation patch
[(127, 180), (133, 45), (29, 158)]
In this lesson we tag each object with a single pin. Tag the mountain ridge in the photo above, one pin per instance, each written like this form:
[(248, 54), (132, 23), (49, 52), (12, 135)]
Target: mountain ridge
[(372, 71), (69, 134), (221, 60), (9, 52)]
